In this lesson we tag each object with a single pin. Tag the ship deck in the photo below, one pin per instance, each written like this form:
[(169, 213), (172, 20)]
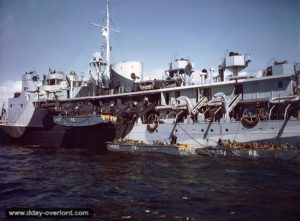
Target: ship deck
[(157, 91)]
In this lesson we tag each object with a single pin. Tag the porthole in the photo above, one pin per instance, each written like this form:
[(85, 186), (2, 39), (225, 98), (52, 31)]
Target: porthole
[(202, 130), (211, 130), (156, 130), (226, 130), (176, 130)]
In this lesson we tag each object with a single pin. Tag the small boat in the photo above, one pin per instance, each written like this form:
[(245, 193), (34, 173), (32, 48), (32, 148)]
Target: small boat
[(224, 148), (134, 146), (222, 151)]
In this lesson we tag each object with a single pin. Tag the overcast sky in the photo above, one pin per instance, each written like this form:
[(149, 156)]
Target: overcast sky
[(42, 34)]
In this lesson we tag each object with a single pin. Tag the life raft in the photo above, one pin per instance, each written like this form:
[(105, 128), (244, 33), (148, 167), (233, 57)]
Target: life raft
[(250, 123), (152, 122), (257, 118)]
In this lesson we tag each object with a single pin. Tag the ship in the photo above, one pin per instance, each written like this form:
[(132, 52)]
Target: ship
[(222, 113), (210, 106), (199, 109), (24, 121)]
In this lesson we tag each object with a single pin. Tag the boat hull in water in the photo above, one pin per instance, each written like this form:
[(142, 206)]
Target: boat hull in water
[(206, 134), (43, 131)]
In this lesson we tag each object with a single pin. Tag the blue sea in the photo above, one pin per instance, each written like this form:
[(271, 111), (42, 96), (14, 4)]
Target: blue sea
[(152, 186)]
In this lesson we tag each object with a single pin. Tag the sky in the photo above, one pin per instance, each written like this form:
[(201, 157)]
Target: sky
[(42, 34)]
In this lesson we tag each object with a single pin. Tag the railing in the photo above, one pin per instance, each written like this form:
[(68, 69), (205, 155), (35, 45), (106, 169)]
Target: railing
[(199, 104), (234, 102)]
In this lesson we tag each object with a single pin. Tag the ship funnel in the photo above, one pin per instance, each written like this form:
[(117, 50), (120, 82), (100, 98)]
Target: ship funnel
[(124, 75)]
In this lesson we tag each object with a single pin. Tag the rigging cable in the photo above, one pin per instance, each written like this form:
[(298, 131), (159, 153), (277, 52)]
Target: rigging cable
[(78, 50), (190, 136)]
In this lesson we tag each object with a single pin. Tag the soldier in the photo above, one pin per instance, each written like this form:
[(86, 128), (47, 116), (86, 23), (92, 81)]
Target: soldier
[(3, 112)]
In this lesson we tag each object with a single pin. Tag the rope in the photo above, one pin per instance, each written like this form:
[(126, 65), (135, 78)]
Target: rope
[(88, 48), (190, 136), (77, 51)]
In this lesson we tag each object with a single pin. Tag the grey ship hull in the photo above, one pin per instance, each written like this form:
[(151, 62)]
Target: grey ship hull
[(199, 135), (42, 131)]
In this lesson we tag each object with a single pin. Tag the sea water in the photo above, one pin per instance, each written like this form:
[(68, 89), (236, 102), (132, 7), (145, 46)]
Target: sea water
[(148, 186)]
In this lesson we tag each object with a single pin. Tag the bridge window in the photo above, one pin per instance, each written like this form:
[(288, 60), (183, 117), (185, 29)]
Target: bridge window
[(52, 82), (280, 84)]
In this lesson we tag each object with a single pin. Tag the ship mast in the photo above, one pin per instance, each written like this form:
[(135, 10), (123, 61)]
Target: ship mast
[(105, 33), (107, 41)]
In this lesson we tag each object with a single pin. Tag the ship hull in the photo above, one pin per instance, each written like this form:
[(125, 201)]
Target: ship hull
[(206, 134), (58, 136), (42, 131)]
